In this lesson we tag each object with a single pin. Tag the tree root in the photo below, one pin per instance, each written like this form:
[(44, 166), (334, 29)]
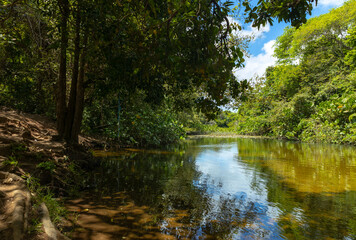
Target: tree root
[(50, 230), (16, 201)]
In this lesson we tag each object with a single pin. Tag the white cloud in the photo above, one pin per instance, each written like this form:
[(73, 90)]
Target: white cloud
[(335, 3), (250, 31), (253, 31), (256, 65)]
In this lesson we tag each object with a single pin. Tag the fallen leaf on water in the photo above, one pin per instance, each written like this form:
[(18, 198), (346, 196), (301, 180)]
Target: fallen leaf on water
[(84, 210)]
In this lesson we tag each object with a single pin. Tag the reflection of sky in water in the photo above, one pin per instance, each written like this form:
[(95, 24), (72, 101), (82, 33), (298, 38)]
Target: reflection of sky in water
[(222, 170), (241, 189), (223, 175)]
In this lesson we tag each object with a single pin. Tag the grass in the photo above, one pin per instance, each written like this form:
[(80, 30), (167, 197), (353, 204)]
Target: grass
[(42, 194), (11, 161)]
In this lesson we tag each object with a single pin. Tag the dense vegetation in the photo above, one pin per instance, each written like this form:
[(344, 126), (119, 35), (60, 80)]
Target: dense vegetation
[(310, 95), (136, 70), (145, 72)]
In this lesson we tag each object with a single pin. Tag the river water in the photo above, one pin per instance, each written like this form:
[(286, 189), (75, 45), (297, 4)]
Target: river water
[(222, 188)]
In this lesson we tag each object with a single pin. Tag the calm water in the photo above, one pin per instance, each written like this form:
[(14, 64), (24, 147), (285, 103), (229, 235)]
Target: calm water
[(216, 188)]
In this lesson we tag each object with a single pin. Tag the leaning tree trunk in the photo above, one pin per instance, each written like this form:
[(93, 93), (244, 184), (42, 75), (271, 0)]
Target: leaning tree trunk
[(73, 89), (61, 83)]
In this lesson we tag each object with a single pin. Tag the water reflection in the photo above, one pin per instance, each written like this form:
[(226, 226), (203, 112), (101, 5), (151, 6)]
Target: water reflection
[(306, 167), (223, 189)]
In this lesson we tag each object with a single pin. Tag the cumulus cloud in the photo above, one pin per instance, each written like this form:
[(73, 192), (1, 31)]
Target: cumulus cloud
[(256, 65), (329, 3)]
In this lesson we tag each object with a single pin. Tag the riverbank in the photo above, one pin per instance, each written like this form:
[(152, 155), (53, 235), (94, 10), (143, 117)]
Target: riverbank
[(36, 171), (226, 135), (222, 134)]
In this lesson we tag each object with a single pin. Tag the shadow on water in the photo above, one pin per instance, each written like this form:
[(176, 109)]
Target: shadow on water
[(222, 189)]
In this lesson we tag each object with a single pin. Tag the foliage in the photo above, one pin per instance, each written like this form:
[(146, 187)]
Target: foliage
[(18, 148), (310, 94), (27, 67), (284, 80), (42, 194), (143, 125), (350, 57), (140, 124), (35, 226), (11, 161), (17, 151), (66, 58), (226, 119), (48, 165), (291, 11), (225, 122)]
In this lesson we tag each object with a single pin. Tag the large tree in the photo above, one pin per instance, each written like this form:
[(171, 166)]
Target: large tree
[(159, 47)]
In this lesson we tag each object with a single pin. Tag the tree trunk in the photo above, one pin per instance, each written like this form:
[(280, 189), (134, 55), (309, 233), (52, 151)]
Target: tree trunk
[(79, 103), (73, 89), (61, 83)]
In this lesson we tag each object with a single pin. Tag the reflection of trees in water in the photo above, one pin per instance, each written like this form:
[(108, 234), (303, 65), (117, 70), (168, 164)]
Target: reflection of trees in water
[(142, 176), (204, 214), (305, 215), (184, 204), (225, 217)]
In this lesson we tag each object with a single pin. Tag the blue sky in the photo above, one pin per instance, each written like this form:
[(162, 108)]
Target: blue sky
[(261, 49)]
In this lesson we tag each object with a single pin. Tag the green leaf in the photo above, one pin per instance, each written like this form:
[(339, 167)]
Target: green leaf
[(352, 116)]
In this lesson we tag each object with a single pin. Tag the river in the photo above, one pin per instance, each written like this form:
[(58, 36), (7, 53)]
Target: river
[(221, 188)]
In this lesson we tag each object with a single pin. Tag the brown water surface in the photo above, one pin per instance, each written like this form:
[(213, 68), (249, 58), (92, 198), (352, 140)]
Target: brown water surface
[(221, 188)]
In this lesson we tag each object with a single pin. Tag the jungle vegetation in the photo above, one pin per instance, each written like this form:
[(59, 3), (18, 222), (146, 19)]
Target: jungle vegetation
[(310, 94), (144, 71)]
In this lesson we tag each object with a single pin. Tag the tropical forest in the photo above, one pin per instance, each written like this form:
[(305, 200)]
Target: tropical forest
[(136, 119)]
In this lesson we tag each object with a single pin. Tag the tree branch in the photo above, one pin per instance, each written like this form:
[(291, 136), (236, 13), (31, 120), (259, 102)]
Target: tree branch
[(224, 36), (11, 6)]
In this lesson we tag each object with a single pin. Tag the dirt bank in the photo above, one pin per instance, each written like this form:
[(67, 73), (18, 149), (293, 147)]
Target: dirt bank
[(35, 166)]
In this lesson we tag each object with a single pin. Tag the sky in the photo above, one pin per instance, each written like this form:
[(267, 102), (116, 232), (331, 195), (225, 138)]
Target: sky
[(261, 49)]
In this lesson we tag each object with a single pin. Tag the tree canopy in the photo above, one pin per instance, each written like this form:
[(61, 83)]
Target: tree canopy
[(310, 94), (86, 53)]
